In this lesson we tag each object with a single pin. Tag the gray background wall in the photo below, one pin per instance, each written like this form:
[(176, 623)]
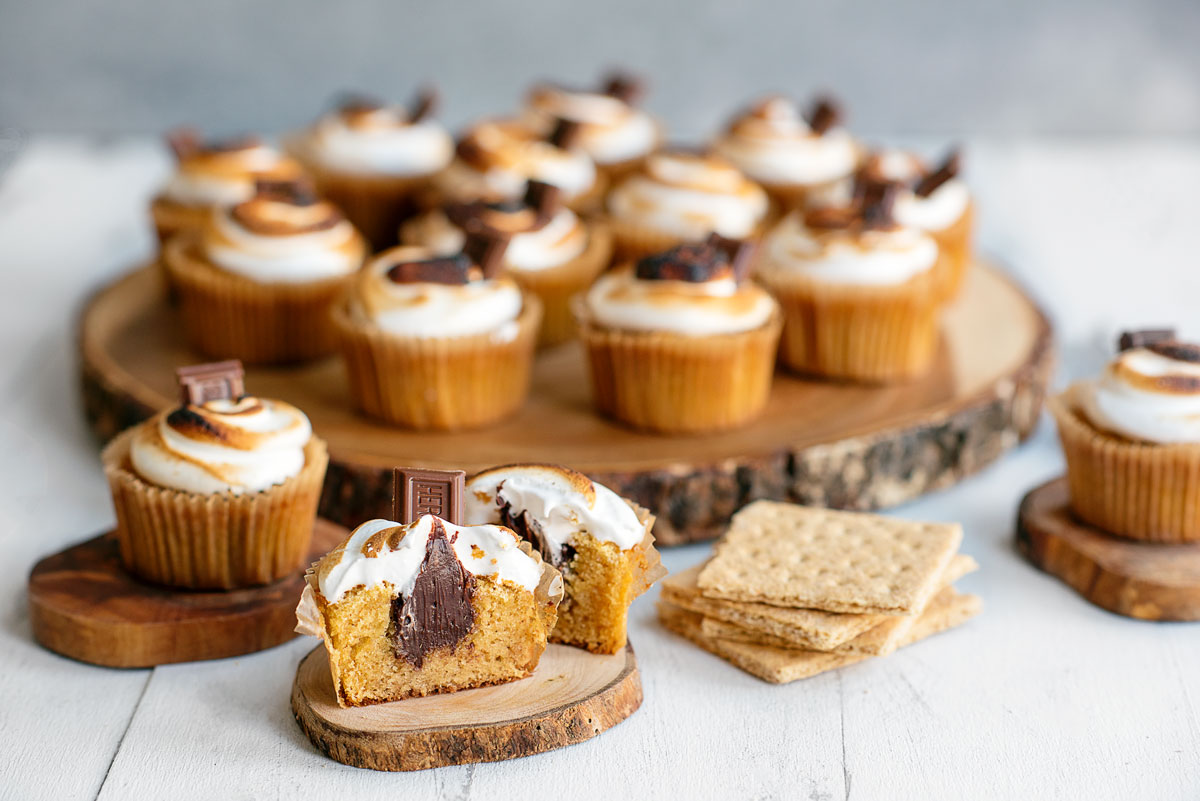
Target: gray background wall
[(944, 66)]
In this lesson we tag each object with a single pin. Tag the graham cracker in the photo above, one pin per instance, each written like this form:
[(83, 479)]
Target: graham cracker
[(796, 556), (780, 665)]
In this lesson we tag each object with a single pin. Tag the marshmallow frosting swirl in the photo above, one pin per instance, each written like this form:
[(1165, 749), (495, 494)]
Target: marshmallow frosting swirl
[(613, 130), (387, 552), (235, 446), (272, 240), (1149, 394), (226, 174), (846, 256), (619, 299), (380, 140), (563, 238), (497, 158), (690, 196), (774, 145), (427, 309), (562, 501)]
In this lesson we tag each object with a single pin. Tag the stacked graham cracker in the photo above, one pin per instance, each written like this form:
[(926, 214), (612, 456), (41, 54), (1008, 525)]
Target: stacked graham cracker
[(792, 592)]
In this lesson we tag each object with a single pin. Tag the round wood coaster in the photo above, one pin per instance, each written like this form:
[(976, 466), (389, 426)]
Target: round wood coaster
[(84, 605), (1136, 579), (571, 697), (818, 442)]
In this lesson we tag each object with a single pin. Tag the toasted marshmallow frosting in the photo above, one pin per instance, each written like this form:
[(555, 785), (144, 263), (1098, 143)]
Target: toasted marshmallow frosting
[(846, 256), (690, 196), (561, 501), (561, 239), (1150, 394), (378, 140), (497, 158), (427, 309), (613, 130), (619, 299), (226, 174), (247, 445), (774, 145), (387, 552), (273, 240)]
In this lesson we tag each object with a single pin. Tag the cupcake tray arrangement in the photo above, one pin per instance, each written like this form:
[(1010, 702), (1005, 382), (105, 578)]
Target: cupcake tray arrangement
[(818, 442)]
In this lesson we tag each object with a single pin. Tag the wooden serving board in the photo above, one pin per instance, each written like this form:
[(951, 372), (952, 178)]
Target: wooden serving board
[(1144, 580), (84, 605), (571, 697), (818, 442)]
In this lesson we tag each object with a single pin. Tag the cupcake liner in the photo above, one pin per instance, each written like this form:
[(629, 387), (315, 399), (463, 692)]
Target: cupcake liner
[(1142, 491), (172, 218), (676, 384), (861, 333), (954, 249), (555, 286), (644, 560), (376, 204), (218, 541), (228, 316), (444, 383)]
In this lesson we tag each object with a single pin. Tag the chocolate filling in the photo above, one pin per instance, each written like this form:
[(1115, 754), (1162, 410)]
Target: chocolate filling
[(530, 530), (1144, 338), (438, 613)]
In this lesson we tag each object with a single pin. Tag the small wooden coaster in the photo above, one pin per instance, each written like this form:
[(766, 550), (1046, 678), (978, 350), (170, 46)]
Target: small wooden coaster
[(1136, 579), (84, 605), (571, 697)]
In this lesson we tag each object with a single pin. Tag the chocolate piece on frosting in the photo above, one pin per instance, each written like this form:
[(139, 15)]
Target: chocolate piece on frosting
[(485, 247), (424, 104), (294, 192), (949, 168), (213, 381), (453, 270), (624, 86), (565, 133), (1179, 351), (419, 491), (696, 262), (739, 252), (825, 114), (545, 199), (438, 612), (1144, 338), (878, 198)]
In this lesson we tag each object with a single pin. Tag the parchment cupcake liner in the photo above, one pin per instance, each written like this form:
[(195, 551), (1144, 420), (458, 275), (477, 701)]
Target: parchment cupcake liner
[(228, 316), (860, 333), (954, 254), (1142, 491), (673, 383), (216, 541), (555, 286), (443, 383)]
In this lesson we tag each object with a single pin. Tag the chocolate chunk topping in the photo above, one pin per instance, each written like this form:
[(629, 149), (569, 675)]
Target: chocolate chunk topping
[(213, 381), (1179, 351), (624, 87), (698, 262), (452, 270), (565, 133), (544, 198), (425, 103), (824, 114), (949, 168), (419, 491), (878, 198), (1144, 338), (294, 192), (485, 247), (530, 530), (438, 613)]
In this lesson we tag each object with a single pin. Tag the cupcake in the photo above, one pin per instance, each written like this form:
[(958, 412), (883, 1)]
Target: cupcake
[(218, 492), (552, 253), (615, 133), (857, 290), (372, 160), (679, 342), (790, 155), (438, 342), (1132, 441), (258, 280), (496, 158), (210, 174), (679, 197)]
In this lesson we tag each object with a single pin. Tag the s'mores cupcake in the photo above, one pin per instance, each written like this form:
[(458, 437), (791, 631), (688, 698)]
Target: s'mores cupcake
[(438, 342), (372, 160), (614, 131), (218, 492), (857, 288), (1132, 441), (552, 252), (678, 196), (258, 280), (496, 158), (679, 342), (599, 541), (791, 154)]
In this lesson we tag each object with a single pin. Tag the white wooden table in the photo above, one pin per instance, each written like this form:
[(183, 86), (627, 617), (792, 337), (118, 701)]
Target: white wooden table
[(1042, 697)]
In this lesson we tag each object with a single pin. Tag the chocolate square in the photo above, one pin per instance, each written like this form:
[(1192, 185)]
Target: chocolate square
[(214, 381), (419, 491)]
